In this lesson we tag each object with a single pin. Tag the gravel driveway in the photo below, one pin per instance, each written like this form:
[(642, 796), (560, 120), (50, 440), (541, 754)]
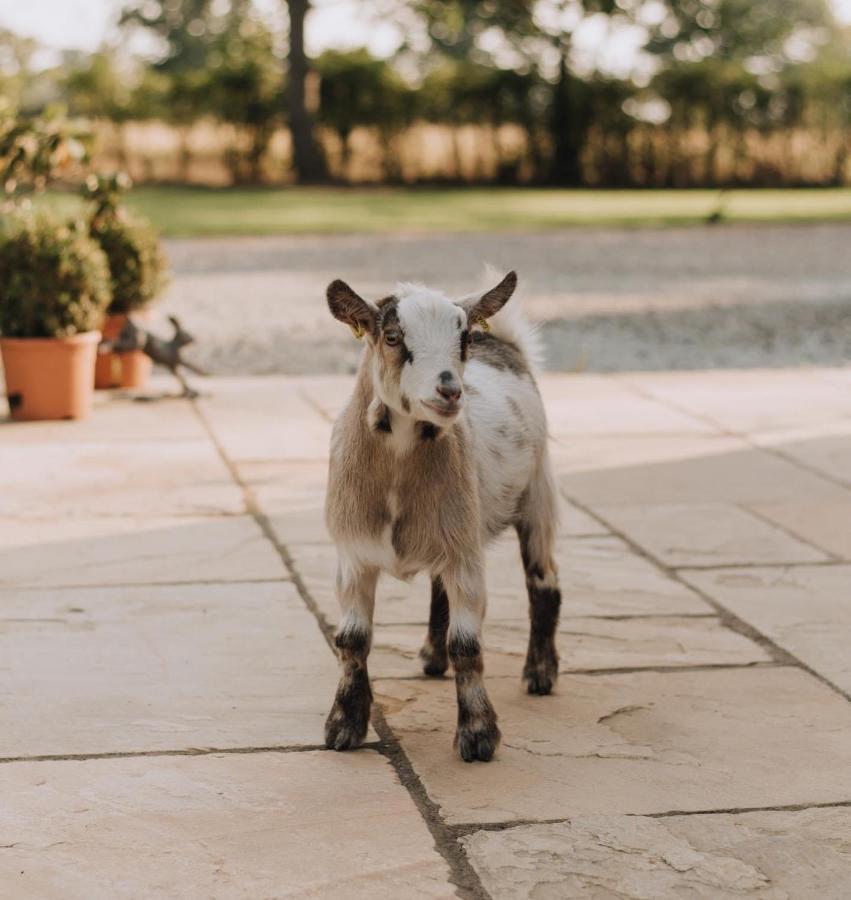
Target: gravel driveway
[(608, 300)]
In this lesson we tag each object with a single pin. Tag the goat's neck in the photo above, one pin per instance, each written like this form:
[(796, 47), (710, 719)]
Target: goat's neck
[(383, 416)]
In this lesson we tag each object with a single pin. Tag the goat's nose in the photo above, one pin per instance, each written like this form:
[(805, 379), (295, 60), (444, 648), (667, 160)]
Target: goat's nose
[(450, 390)]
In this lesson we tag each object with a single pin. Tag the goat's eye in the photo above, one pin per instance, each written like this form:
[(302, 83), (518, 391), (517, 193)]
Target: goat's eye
[(392, 338)]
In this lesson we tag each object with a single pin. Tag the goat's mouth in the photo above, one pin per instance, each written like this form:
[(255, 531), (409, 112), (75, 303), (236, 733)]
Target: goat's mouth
[(445, 410)]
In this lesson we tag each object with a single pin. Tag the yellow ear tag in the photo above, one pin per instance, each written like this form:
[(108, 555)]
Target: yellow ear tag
[(358, 330), (483, 322)]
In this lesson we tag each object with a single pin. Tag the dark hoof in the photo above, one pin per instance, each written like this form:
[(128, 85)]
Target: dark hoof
[(478, 742), (541, 677), (434, 664), (342, 733)]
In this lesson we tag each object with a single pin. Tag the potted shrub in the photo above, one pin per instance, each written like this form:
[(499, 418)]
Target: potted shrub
[(137, 268), (54, 289)]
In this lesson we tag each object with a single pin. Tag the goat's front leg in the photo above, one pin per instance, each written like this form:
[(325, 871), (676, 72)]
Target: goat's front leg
[(478, 734), (348, 720)]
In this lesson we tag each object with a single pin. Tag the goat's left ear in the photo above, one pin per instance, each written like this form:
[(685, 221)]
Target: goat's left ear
[(492, 301)]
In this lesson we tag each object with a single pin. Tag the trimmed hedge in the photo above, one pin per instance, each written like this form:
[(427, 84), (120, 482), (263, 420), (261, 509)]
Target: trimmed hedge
[(136, 261), (54, 279)]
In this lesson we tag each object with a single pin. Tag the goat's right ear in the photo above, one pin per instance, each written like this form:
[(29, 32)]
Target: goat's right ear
[(348, 307), (482, 307)]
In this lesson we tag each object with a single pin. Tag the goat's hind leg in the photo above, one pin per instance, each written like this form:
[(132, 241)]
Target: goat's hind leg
[(433, 653), (347, 723), (536, 529)]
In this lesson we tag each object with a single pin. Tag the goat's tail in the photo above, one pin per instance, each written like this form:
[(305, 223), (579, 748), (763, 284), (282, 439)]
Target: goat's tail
[(510, 324)]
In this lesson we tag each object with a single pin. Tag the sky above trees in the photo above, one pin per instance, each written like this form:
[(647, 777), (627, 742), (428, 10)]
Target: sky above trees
[(85, 24)]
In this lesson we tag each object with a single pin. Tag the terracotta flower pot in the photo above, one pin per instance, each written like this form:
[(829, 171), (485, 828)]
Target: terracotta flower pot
[(135, 368), (108, 366), (50, 378), (126, 370)]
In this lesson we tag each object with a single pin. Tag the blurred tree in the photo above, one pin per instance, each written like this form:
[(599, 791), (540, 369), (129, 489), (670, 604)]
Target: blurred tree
[(570, 119), (190, 30), (742, 91), (356, 89), (710, 96), (456, 27), (96, 89), (527, 31), (308, 159), (730, 67), (186, 30), (150, 95), (825, 85), (610, 163), (461, 92), (771, 30), (16, 54), (243, 88), (219, 59), (34, 152)]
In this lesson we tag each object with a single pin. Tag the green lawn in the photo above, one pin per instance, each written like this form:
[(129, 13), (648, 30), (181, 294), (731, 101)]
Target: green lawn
[(202, 211)]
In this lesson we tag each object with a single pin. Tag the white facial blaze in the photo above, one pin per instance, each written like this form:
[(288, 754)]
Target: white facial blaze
[(432, 325)]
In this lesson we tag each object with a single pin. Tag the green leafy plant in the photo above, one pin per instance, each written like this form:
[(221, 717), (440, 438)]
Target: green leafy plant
[(54, 280), (33, 154), (136, 261)]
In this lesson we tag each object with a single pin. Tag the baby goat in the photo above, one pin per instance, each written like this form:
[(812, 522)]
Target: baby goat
[(442, 445)]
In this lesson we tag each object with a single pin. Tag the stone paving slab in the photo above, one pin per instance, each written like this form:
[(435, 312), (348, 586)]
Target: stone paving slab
[(594, 404), (141, 611), (824, 448), (600, 576), (128, 550), (584, 643), (328, 394), (700, 534), (825, 524), (806, 610), (107, 670), (116, 419), (270, 418), (636, 743), (770, 855), (590, 458), (143, 478), (574, 522), (312, 825), (705, 470), (292, 496), (751, 401)]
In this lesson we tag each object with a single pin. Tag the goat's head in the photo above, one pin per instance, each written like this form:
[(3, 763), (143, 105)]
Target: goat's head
[(419, 340)]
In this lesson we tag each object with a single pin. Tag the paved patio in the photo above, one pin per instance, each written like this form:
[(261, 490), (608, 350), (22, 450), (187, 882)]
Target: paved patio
[(166, 602)]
